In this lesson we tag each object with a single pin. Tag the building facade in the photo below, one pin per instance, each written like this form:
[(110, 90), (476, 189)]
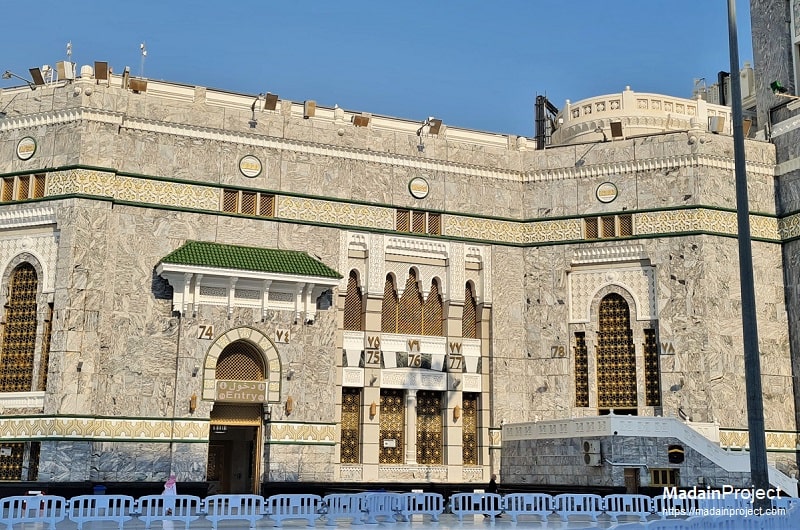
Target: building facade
[(245, 290)]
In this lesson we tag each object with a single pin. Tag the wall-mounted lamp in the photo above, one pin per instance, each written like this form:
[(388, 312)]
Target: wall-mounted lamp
[(601, 131), (289, 407), (193, 403), (80, 366), (289, 374), (195, 370), (8, 74), (373, 410), (456, 413), (430, 126)]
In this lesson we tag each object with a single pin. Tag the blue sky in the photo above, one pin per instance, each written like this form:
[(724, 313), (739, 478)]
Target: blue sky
[(474, 64)]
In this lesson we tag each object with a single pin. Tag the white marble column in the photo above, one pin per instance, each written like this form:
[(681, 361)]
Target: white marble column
[(411, 426)]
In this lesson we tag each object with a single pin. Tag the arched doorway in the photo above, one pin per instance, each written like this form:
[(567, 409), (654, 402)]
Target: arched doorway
[(236, 437)]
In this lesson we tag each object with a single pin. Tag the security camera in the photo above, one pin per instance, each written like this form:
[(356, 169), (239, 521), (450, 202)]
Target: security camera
[(309, 322)]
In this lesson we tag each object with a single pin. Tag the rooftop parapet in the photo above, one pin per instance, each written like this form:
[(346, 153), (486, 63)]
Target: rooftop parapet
[(618, 116)]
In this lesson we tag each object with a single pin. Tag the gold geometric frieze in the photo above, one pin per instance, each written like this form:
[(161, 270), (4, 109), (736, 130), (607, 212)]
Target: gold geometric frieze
[(199, 197), (776, 441), (132, 189), (305, 433), (106, 429), (320, 211)]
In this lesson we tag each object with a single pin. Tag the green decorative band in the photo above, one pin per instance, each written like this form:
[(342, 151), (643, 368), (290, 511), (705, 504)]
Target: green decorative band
[(196, 196)]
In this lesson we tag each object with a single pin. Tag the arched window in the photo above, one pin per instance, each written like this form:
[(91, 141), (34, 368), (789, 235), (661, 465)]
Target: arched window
[(240, 361), (432, 312), (616, 358), (389, 308), (410, 312), (469, 321), (19, 334), (353, 305)]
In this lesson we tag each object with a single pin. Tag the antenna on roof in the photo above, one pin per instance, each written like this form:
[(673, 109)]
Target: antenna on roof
[(69, 52), (144, 55), (700, 88)]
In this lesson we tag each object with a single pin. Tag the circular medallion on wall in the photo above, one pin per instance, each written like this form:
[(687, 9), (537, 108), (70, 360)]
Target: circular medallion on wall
[(606, 192), (26, 148), (250, 166), (419, 188)]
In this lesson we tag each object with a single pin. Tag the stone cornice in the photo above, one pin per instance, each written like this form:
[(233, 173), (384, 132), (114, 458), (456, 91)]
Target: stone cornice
[(61, 117), (27, 217), (648, 164)]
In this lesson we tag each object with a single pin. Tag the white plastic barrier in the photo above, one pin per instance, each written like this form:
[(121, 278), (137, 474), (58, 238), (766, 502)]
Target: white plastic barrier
[(666, 506), (183, 508), (619, 504), (45, 509), (248, 508), (420, 503), (294, 506), (343, 505), (488, 504), (381, 504), (516, 504), (567, 504), (90, 508)]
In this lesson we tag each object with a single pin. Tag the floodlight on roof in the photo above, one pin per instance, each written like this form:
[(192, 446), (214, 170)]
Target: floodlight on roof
[(270, 101), (38, 74), (8, 74)]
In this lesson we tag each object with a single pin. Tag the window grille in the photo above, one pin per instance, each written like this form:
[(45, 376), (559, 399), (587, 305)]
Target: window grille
[(47, 332), (389, 307), (392, 426), (432, 312), (249, 199), (435, 223), (23, 187), (469, 433), (590, 228), (353, 305), (39, 182), (266, 205), (616, 360), (429, 427), (11, 464), (230, 201), (8, 189), (19, 333), (651, 371), (403, 221), (351, 425), (240, 361), (469, 322), (418, 222), (410, 308), (608, 226), (581, 371), (663, 477), (625, 225)]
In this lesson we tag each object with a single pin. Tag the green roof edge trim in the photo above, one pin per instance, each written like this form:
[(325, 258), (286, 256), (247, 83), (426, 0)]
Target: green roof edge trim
[(219, 255)]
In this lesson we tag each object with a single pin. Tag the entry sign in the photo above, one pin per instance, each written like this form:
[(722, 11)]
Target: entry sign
[(242, 391)]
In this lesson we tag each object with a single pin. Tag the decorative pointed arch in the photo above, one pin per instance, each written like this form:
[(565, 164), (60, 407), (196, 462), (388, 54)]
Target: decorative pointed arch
[(19, 333), (264, 362), (469, 322), (616, 358), (353, 304), (432, 311), (390, 306), (410, 306)]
